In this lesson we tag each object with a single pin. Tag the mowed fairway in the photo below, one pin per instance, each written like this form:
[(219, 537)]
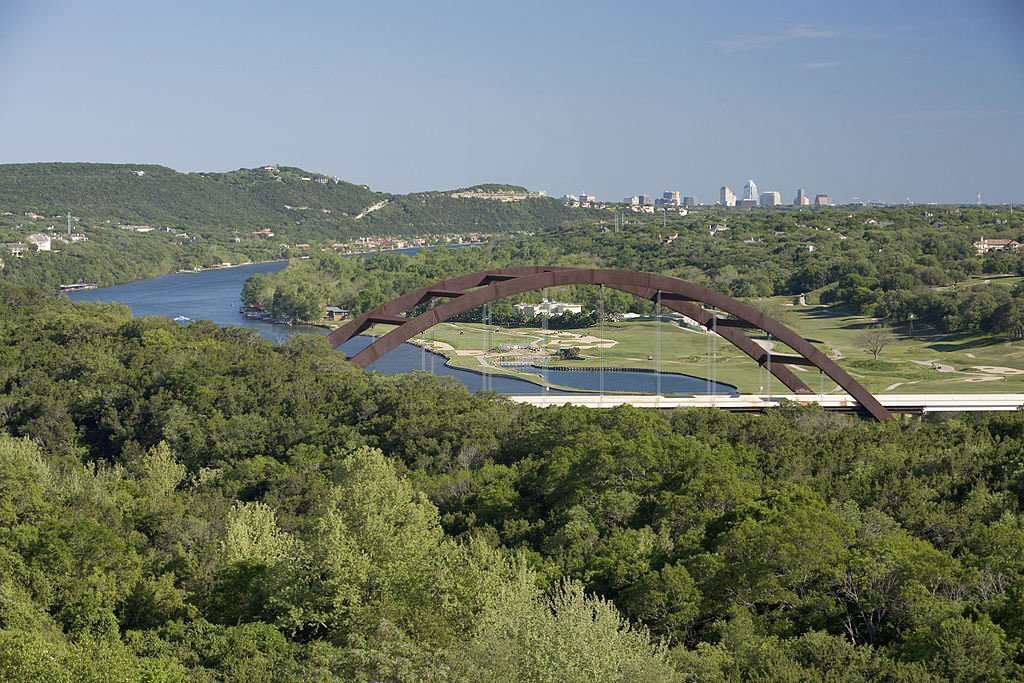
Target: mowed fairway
[(962, 363)]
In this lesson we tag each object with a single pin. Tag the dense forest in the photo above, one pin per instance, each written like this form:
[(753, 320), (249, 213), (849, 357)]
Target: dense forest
[(196, 503)]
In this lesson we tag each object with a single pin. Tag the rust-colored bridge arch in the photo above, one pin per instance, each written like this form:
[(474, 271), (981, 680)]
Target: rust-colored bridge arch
[(466, 292)]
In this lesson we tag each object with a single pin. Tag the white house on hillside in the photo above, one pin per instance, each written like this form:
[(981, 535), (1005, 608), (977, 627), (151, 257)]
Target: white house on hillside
[(983, 246), (40, 241)]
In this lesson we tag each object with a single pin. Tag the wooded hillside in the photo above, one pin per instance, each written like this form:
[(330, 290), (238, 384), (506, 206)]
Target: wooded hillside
[(303, 204)]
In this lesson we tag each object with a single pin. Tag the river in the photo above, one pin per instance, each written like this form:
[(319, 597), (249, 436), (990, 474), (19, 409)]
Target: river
[(214, 295)]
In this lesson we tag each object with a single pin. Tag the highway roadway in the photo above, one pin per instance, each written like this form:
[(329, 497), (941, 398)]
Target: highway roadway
[(897, 403)]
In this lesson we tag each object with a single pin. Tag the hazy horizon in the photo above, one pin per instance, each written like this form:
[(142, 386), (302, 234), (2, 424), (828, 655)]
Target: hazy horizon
[(882, 101)]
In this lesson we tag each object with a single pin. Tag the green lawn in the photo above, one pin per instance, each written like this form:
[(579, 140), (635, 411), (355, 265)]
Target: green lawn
[(898, 371), (632, 345), (1005, 279)]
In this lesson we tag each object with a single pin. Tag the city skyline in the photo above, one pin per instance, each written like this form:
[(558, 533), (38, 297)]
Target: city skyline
[(411, 98), (751, 196)]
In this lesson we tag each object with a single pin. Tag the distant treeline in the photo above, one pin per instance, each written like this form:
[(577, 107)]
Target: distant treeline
[(900, 264)]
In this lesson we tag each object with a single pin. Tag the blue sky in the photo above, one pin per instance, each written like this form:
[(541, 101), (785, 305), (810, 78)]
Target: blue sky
[(878, 100)]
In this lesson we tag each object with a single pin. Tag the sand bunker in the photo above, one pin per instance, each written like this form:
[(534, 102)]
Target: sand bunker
[(997, 370), (577, 340)]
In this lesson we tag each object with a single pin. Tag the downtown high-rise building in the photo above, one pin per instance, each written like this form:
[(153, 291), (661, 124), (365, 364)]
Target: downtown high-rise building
[(690, 202), (750, 190), (771, 198), (670, 198), (726, 197), (821, 200), (801, 198)]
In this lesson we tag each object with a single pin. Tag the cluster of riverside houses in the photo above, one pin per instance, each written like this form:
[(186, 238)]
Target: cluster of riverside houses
[(39, 241)]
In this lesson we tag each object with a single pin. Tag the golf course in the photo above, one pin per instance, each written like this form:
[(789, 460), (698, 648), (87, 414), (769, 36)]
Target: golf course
[(917, 360)]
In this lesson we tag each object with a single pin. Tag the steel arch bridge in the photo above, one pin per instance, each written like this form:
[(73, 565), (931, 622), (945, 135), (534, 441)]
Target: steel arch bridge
[(466, 292)]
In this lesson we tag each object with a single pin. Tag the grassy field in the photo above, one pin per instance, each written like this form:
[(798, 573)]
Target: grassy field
[(1006, 280), (963, 363)]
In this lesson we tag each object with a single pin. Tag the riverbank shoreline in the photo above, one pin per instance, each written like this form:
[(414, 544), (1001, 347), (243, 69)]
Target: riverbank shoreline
[(218, 267), (60, 289), (196, 271)]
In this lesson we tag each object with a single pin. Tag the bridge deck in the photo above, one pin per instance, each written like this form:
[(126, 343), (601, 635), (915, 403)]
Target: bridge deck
[(900, 403)]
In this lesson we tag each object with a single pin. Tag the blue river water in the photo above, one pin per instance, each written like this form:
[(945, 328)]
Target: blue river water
[(214, 295)]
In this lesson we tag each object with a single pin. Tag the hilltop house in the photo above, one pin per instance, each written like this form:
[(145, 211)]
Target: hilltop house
[(983, 246)]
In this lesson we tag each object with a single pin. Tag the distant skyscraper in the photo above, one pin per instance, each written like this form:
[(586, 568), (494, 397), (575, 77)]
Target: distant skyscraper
[(689, 201), (770, 199), (645, 200), (746, 203), (584, 197), (670, 197), (726, 197), (750, 190), (821, 200), (801, 198), (632, 201)]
